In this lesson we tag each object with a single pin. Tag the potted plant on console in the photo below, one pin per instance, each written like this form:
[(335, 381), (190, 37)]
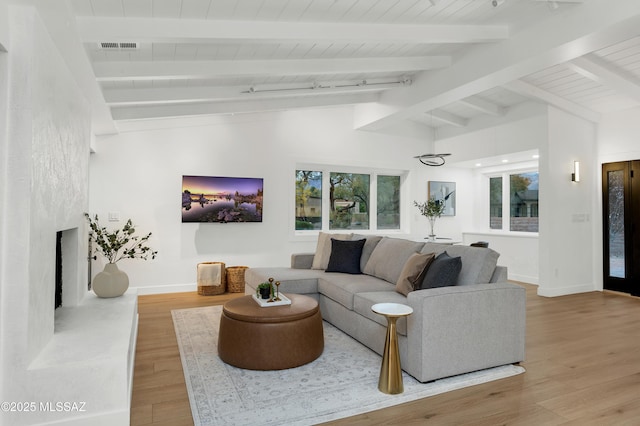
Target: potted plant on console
[(114, 246), (431, 209)]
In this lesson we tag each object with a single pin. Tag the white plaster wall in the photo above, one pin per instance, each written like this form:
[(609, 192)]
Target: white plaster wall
[(138, 174), (617, 141), (47, 184), (4, 72), (4, 27), (445, 226), (618, 137), (567, 209), (519, 253), (520, 135)]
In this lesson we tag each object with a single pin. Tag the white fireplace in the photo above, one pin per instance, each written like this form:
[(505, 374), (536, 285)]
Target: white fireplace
[(83, 351)]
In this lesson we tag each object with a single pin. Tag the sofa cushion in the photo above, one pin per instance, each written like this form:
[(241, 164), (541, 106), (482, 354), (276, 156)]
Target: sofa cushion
[(300, 281), (442, 272), (478, 263), (345, 256), (388, 258), (362, 303), (413, 272), (342, 287), (369, 245), (323, 249)]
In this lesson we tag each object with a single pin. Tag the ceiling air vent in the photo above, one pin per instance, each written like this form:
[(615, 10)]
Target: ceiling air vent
[(110, 45)]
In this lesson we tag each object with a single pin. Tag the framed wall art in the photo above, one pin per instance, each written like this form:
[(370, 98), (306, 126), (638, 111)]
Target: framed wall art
[(444, 192), (221, 199)]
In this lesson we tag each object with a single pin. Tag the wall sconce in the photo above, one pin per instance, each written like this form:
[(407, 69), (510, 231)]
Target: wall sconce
[(575, 176)]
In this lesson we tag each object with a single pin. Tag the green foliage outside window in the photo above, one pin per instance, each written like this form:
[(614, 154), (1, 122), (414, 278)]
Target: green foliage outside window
[(349, 201), (308, 200)]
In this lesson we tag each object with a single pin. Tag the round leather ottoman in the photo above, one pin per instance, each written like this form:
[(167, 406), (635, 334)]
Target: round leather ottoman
[(271, 338)]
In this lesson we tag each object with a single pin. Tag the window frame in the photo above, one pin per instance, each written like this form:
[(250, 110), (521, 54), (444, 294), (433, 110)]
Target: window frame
[(373, 173), (505, 173)]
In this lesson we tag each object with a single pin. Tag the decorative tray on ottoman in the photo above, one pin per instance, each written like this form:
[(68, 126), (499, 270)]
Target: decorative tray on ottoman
[(264, 303)]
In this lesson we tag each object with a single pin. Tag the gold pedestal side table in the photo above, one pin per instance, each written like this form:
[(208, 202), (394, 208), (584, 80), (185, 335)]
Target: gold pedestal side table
[(390, 371)]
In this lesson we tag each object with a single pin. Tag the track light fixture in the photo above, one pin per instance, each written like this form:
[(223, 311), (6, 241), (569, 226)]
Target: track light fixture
[(318, 87), (433, 160)]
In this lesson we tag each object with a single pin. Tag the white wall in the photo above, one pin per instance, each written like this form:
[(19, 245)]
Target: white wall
[(445, 226), (567, 236), (519, 253), (138, 174), (4, 27), (618, 137), (45, 185), (617, 141), (4, 72)]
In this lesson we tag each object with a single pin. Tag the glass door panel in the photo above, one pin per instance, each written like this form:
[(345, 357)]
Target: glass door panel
[(616, 216)]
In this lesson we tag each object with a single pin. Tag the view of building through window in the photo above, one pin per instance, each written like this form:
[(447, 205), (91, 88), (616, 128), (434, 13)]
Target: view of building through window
[(308, 200), (523, 201), (348, 199), (495, 203), (523, 190)]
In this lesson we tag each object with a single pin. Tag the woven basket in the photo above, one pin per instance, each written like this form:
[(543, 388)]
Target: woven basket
[(205, 286), (235, 279)]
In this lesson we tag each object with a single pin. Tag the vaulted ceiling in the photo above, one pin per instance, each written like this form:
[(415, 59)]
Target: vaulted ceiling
[(414, 64)]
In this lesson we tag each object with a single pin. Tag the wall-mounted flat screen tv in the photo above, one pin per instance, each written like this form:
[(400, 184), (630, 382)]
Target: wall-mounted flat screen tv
[(221, 199)]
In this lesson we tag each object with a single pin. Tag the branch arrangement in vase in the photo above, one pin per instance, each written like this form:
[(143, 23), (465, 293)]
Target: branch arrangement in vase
[(431, 209), (119, 244)]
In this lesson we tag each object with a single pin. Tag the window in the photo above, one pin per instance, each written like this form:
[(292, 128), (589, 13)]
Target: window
[(308, 200), (388, 202), (523, 189), (495, 203), (349, 202), (522, 202)]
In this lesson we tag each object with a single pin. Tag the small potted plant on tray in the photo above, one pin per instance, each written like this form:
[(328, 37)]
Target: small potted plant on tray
[(264, 290)]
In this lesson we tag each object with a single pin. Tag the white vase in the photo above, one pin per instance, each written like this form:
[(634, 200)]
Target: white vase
[(111, 282)]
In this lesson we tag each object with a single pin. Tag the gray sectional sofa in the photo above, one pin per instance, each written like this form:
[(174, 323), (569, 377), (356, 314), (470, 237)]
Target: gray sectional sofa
[(478, 323)]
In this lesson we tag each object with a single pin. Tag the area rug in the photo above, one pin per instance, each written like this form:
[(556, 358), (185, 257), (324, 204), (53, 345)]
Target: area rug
[(343, 382)]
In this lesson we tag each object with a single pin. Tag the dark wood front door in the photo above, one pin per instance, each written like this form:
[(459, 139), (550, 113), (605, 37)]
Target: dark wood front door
[(621, 226)]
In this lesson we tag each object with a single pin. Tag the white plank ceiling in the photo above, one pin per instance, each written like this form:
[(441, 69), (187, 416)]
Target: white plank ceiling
[(440, 63)]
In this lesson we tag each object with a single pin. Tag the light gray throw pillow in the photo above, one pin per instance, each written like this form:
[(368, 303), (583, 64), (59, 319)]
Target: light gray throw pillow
[(369, 245), (388, 258)]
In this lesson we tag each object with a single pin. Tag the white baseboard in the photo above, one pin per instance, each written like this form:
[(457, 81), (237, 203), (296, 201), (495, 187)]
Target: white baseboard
[(564, 291), (523, 278), (171, 288)]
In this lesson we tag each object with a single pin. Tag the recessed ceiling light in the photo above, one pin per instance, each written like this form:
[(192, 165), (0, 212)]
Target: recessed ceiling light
[(505, 161), (478, 164)]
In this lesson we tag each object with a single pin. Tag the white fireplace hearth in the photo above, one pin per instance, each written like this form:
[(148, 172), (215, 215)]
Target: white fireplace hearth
[(84, 374)]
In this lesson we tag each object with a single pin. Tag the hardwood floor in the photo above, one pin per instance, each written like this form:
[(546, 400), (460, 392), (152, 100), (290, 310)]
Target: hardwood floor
[(583, 368)]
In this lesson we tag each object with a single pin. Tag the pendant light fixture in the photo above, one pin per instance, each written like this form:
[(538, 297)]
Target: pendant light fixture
[(433, 160)]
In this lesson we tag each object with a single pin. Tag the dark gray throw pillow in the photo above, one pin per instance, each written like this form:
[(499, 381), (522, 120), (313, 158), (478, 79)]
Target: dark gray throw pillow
[(345, 256), (442, 272)]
